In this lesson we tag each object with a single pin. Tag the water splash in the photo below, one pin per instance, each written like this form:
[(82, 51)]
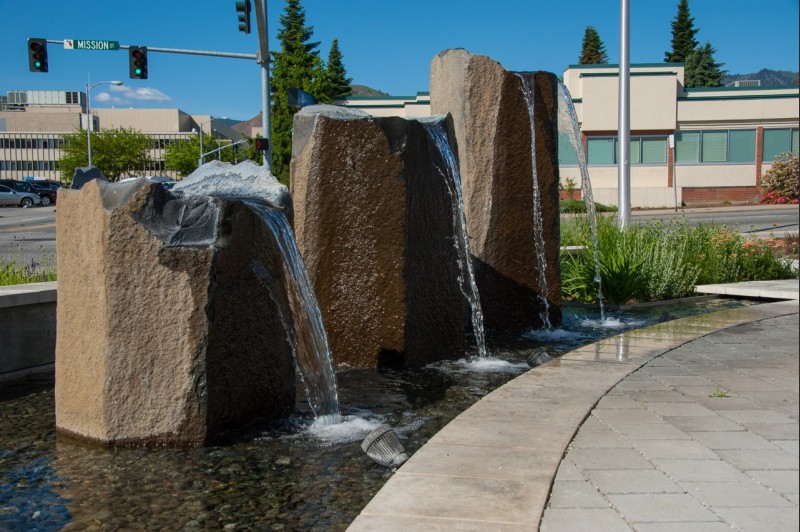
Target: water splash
[(466, 279), (538, 222), (307, 337), (568, 125)]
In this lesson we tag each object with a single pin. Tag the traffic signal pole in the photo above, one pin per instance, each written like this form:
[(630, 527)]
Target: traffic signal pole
[(263, 60), (232, 55)]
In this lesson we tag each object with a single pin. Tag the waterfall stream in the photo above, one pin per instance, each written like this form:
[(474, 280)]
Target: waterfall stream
[(568, 125), (466, 279), (307, 336), (538, 223)]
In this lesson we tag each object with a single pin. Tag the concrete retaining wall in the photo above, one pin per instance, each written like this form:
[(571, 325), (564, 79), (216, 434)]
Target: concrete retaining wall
[(27, 328)]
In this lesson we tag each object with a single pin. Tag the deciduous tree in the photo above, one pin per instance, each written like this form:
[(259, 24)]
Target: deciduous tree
[(116, 153)]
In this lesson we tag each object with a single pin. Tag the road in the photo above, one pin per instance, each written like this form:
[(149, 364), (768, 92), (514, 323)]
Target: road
[(761, 219), (30, 234)]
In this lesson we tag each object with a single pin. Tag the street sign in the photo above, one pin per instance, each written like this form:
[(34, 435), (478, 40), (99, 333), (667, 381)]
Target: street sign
[(89, 44)]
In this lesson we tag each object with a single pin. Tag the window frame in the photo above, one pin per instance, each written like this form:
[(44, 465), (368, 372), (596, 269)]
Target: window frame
[(639, 151), (701, 144)]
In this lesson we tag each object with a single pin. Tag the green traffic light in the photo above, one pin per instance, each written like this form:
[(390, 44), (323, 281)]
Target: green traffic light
[(138, 71), (37, 64)]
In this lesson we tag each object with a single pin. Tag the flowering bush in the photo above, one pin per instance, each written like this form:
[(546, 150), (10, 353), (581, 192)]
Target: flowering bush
[(773, 198), (782, 180)]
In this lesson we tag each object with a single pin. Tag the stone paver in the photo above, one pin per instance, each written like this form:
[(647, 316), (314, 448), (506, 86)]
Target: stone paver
[(714, 456), (693, 427)]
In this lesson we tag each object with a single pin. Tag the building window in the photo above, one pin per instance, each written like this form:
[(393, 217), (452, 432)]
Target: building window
[(716, 146), (643, 150), (780, 141)]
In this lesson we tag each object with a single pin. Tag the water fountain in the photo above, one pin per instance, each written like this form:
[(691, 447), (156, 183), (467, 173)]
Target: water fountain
[(375, 224), (187, 309), (196, 338), (495, 136)]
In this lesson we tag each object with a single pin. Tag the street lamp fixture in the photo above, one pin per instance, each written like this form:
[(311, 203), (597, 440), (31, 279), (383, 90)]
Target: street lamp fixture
[(89, 121), (200, 160)]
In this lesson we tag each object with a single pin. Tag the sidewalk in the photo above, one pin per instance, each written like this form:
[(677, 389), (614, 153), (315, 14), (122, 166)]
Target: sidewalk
[(656, 450)]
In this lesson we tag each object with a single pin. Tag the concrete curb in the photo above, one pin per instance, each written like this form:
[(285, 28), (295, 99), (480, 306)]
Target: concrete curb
[(493, 466)]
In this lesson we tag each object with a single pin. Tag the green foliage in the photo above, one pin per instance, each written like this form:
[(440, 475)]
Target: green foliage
[(593, 51), (783, 178), (662, 260), (702, 70), (569, 186), (116, 152), (571, 206), (184, 155), (337, 80), (299, 66), (683, 32), (12, 273)]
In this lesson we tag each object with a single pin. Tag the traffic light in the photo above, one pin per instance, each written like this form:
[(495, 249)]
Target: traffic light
[(37, 55), (243, 10), (137, 62), (261, 144)]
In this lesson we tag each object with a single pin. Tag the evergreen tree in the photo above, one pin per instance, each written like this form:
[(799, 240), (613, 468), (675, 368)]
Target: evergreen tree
[(338, 82), (702, 70), (297, 66), (593, 51), (683, 32)]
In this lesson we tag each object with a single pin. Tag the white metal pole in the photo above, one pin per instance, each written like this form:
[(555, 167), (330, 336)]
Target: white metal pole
[(624, 133), (200, 160), (88, 120)]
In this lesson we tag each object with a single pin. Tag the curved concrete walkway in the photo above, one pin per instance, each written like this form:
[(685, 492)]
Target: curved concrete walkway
[(652, 455)]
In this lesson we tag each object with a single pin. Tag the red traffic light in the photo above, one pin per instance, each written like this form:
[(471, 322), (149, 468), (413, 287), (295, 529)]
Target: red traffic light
[(261, 144)]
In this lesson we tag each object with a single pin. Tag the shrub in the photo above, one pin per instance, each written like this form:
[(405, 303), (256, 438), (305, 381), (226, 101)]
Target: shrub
[(782, 180), (661, 260), (11, 273)]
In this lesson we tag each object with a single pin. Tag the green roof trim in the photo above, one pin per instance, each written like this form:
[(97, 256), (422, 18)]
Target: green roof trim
[(353, 98), (739, 97), (733, 89), (633, 65), (616, 74)]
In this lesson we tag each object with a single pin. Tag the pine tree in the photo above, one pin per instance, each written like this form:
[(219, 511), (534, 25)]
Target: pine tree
[(702, 70), (683, 32), (297, 66), (593, 51), (339, 83)]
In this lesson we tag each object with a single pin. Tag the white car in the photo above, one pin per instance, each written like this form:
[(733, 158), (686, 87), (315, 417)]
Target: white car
[(8, 196)]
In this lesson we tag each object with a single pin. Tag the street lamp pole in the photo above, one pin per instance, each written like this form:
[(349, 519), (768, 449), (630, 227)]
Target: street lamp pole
[(200, 160), (89, 121)]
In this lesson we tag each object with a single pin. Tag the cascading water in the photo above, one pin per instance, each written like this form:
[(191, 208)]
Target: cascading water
[(308, 337), (466, 279), (568, 125), (538, 223)]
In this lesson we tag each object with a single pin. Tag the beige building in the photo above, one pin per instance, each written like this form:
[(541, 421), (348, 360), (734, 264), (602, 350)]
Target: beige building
[(692, 146), (33, 125), (695, 146)]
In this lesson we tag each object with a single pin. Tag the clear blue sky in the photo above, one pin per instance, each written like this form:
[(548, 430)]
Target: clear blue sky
[(386, 45)]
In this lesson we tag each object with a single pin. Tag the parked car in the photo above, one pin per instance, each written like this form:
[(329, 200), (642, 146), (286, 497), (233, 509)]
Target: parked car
[(48, 194), (9, 196), (22, 186)]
